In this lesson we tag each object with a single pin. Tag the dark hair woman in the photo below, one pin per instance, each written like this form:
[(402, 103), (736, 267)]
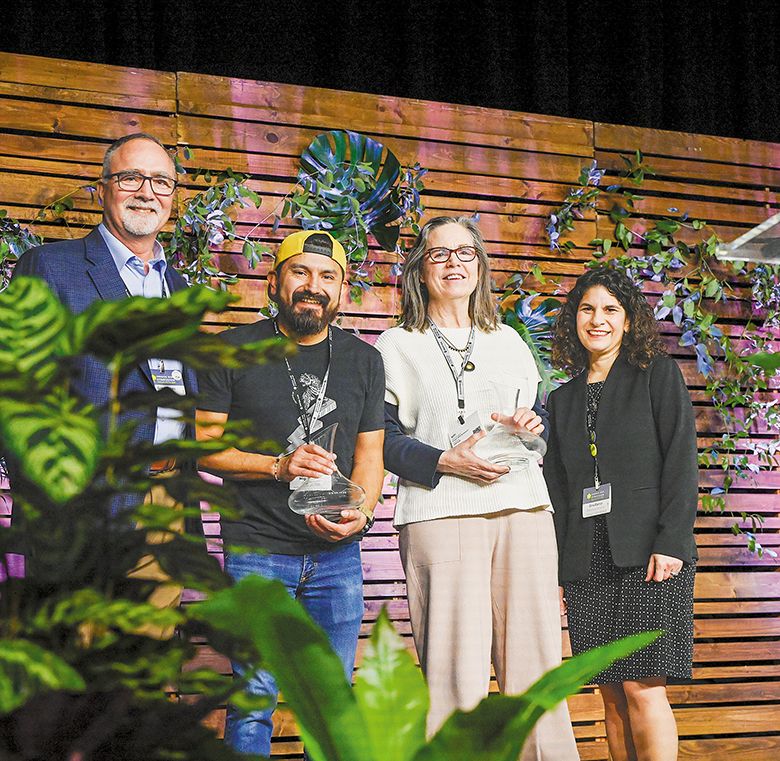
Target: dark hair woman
[(477, 539), (621, 469)]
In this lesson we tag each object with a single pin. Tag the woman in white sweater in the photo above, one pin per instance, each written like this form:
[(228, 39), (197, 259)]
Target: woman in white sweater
[(477, 539)]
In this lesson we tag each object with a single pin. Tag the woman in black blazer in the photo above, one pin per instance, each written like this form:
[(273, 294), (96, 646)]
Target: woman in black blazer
[(621, 469)]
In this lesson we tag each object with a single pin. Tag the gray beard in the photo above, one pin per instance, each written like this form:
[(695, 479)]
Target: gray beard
[(140, 224)]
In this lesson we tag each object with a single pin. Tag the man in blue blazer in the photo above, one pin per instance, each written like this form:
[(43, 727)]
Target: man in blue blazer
[(122, 257), (119, 258)]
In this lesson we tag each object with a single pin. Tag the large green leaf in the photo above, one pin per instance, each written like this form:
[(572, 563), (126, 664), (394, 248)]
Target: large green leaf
[(138, 327), (299, 655), (768, 361), (392, 695), (329, 168), (32, 326), (498, 727), (27, 669), (56, 441)]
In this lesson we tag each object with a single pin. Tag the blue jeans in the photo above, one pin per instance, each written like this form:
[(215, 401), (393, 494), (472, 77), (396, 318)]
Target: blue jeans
[(330, 587)]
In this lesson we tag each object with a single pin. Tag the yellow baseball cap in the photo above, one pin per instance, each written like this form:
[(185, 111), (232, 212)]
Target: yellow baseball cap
[(311, 242)]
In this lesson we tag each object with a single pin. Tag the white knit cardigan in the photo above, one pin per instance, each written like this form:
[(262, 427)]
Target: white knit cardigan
[(419, 381)]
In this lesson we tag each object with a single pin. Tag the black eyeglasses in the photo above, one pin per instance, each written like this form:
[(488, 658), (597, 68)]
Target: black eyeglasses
[(133, 181), (441, 254)]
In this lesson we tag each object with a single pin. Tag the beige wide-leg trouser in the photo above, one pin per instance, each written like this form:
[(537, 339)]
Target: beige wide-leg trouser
[(485, 588)]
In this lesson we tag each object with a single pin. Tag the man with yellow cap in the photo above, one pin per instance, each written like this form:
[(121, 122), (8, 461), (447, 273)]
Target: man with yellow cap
[(333, 377)]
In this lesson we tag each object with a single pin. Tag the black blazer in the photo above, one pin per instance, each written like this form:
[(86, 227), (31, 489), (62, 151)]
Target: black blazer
[(646, 437)]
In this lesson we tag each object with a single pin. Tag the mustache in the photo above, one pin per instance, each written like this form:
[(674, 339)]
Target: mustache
[(133, 203), (321, 299)]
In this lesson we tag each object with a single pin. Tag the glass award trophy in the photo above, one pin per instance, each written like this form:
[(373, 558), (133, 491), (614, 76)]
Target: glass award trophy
[(505, 445), (326, 495)]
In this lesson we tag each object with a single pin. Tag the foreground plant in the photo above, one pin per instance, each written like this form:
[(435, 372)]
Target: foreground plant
[(79, 678), (383, 718)]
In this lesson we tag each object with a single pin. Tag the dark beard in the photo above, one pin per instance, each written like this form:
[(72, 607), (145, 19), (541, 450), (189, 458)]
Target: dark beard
[(307, 322)]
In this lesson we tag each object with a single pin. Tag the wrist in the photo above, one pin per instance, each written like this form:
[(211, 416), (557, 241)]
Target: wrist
[(369, 519), (443, 465)]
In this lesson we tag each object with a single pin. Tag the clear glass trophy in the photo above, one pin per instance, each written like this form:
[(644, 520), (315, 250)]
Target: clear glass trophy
[(326, 495), (504, 445)]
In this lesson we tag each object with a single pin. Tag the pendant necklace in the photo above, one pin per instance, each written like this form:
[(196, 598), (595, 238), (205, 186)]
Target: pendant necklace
[(469, 366)]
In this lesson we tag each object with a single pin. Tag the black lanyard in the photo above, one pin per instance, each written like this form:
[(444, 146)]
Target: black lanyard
[(307, 420), (457, 375), (590, 423)]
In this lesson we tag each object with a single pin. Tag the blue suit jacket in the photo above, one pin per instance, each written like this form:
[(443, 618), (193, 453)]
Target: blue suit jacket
[(81, 272)]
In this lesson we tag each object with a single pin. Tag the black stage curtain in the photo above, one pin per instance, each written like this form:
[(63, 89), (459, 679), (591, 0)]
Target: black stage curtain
[(708, 67)]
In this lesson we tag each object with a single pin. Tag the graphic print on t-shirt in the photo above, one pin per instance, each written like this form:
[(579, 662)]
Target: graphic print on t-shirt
[(310, 386)]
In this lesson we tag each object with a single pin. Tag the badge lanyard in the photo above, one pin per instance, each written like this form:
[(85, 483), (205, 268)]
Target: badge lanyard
[(456, 375), (163, 295), (590, 422), (305, 420)]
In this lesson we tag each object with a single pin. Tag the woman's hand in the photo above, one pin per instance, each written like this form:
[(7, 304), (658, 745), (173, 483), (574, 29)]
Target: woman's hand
[(523, 420), (461, 461), (662, 567), (562, 601)]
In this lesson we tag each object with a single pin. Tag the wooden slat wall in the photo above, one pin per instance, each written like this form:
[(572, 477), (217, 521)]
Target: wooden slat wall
[(56, 118)]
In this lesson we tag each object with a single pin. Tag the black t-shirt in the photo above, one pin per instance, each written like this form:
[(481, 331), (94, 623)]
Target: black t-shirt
[(262, 395)]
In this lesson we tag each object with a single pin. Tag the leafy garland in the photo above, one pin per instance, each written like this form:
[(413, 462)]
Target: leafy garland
[(694, 282)]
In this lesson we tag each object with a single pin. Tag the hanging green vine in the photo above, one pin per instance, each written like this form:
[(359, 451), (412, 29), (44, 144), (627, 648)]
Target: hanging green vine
[(694, 282)]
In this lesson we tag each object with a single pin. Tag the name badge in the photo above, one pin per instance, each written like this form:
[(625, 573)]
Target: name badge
[(462, 432), (172, 379), (596, 501), (323, 483)]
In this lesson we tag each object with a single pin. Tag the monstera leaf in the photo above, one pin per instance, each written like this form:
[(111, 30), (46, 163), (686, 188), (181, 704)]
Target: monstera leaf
[(349, 181), (534, 320)]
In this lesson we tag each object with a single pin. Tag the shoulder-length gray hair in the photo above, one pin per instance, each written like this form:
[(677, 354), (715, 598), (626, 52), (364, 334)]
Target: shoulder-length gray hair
[(414, 296)]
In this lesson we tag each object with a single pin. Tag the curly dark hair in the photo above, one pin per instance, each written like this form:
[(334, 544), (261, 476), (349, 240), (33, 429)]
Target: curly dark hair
[(641, 344)]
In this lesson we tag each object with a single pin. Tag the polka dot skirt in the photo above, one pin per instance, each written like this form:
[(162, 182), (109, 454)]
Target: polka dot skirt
[(614, 602)]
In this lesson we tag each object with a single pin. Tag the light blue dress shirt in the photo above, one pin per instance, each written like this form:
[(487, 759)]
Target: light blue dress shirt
[(150, 284)]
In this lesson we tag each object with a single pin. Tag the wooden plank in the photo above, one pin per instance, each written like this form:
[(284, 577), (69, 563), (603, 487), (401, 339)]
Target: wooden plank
[(54, 148), (267, 100), (276, 151), (733, 585), (686, 145), (742, 627), (682, 173), (733, 692), (727, 719), (712, 211), (87, 77), (745, 748), (118, 101), (82, 121)]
